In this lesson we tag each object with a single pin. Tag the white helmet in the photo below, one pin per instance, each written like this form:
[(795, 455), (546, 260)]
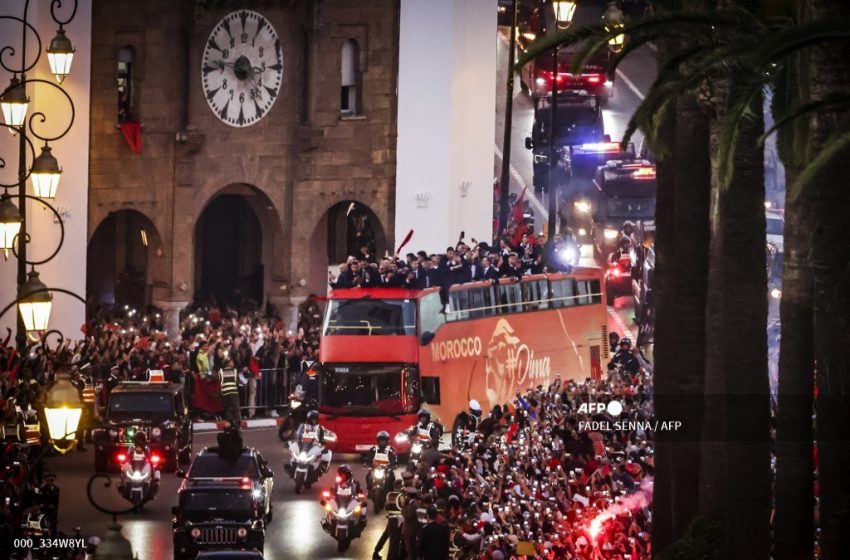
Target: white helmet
[(474, 405)]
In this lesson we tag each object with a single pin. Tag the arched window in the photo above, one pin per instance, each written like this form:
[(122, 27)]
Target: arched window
[(350, 90), (125, 84)]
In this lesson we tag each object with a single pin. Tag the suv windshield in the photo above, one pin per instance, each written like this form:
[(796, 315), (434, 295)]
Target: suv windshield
[(123, 406), (234, 503), (213, 465), (369, 316), (369, 389)]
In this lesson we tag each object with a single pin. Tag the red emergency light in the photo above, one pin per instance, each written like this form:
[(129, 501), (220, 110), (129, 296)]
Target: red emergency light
[(644, 173), (155, 459), (121, 458), (601, 147)]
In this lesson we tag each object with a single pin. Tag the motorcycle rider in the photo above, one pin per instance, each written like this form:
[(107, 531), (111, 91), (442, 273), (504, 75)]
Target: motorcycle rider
[(625, 357), (311, 433), (425, 431), (466, 422), (347, 488), (382, 455), (139, 456)]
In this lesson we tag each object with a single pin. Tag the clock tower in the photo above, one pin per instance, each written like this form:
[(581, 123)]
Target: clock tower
[(262, 132)]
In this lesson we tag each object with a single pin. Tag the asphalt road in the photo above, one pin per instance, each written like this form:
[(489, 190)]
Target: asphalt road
[(294, 533)]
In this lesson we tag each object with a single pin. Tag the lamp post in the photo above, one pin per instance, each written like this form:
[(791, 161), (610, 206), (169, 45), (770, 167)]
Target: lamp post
[(44, 172), (563, 11), (613, 18)]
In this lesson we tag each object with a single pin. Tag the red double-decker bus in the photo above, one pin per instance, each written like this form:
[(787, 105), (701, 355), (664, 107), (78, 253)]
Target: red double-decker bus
[(387, 352)]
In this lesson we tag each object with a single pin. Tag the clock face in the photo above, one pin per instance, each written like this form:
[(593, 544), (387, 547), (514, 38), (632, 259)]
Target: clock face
[(242, 68)]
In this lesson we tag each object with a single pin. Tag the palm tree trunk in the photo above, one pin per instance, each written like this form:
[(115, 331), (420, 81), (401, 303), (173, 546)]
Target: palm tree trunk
[(794, 523), (735, 468), (830, 256)]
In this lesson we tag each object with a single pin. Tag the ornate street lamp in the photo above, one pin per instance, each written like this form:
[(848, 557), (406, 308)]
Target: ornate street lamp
[(14, 103), (613, 18), (60, 53), (34, 303), (564, 12), (10, 223), (45, 174), (63, 410)]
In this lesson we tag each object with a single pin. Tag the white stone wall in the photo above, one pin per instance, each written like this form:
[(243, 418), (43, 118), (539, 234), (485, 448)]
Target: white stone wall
[(446, 122), (68, 269)]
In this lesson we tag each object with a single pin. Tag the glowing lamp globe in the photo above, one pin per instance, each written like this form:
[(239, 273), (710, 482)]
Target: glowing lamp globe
[(10, 222), (60, 53), (34, 303), (613, 18), (14, 103), (45, 174), (564, 12), (63, 410)]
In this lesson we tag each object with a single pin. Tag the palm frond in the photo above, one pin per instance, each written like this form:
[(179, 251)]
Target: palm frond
[(837, 101), (834, 146), (797, 37)]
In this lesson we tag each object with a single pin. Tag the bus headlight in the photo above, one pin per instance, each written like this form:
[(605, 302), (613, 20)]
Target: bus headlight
[(582, 206), (610, 233)]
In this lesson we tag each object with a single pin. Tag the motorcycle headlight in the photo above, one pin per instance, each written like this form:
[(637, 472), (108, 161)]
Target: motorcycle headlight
[(303, 457), (330, 436), (416, 447), (342, 514), (195, 533), (379, 473), (401, 437), (610, 233), (242, 532), (257, 493)]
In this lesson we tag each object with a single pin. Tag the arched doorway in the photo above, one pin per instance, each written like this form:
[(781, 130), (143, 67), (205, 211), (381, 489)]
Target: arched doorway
[(119, 267), (351, 227), (229, 263), (343, 231)]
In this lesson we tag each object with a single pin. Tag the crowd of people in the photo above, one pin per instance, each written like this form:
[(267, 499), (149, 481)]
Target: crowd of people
[(537, 481)]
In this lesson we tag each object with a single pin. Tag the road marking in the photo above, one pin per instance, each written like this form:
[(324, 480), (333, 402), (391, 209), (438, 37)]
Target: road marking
[(630, 84), (523, 186)]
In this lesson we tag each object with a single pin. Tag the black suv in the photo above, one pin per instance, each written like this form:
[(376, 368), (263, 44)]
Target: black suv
[(158, 410), (579, 122), (247, 466), (216, 515)]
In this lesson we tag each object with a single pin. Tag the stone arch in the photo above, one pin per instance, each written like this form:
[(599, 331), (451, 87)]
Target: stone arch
[(125, 260), (335, 237), (236, 233)]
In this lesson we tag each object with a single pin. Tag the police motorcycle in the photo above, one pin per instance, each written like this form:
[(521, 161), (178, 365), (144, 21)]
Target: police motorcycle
[(345, 508), (421, 436), (140, 473), (380, 478), (310, 457), (299, 407)]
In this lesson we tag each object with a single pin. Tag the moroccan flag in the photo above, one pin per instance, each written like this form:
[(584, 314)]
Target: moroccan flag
[(405, 242), (516, 214), (133, 134)]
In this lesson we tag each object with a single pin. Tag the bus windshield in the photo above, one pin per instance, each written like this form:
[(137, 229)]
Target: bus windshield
[(368, 389), (631, 207), (367, 316)]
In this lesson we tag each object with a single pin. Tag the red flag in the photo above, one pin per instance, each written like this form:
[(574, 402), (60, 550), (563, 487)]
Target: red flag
[(516, 214), (133, 134), (405, 242)]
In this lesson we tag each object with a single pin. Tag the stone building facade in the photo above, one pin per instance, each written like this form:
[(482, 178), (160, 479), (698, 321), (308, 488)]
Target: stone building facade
[(297, 170)]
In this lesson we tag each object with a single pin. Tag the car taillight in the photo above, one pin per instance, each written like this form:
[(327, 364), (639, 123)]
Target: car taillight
[(594, 79), (326, 493), (121, 457)]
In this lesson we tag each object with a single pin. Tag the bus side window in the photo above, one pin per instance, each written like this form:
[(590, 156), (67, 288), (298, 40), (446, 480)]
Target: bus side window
[(563, 292), (585, 290), (596, 291), (431, 315), (431, 389)]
